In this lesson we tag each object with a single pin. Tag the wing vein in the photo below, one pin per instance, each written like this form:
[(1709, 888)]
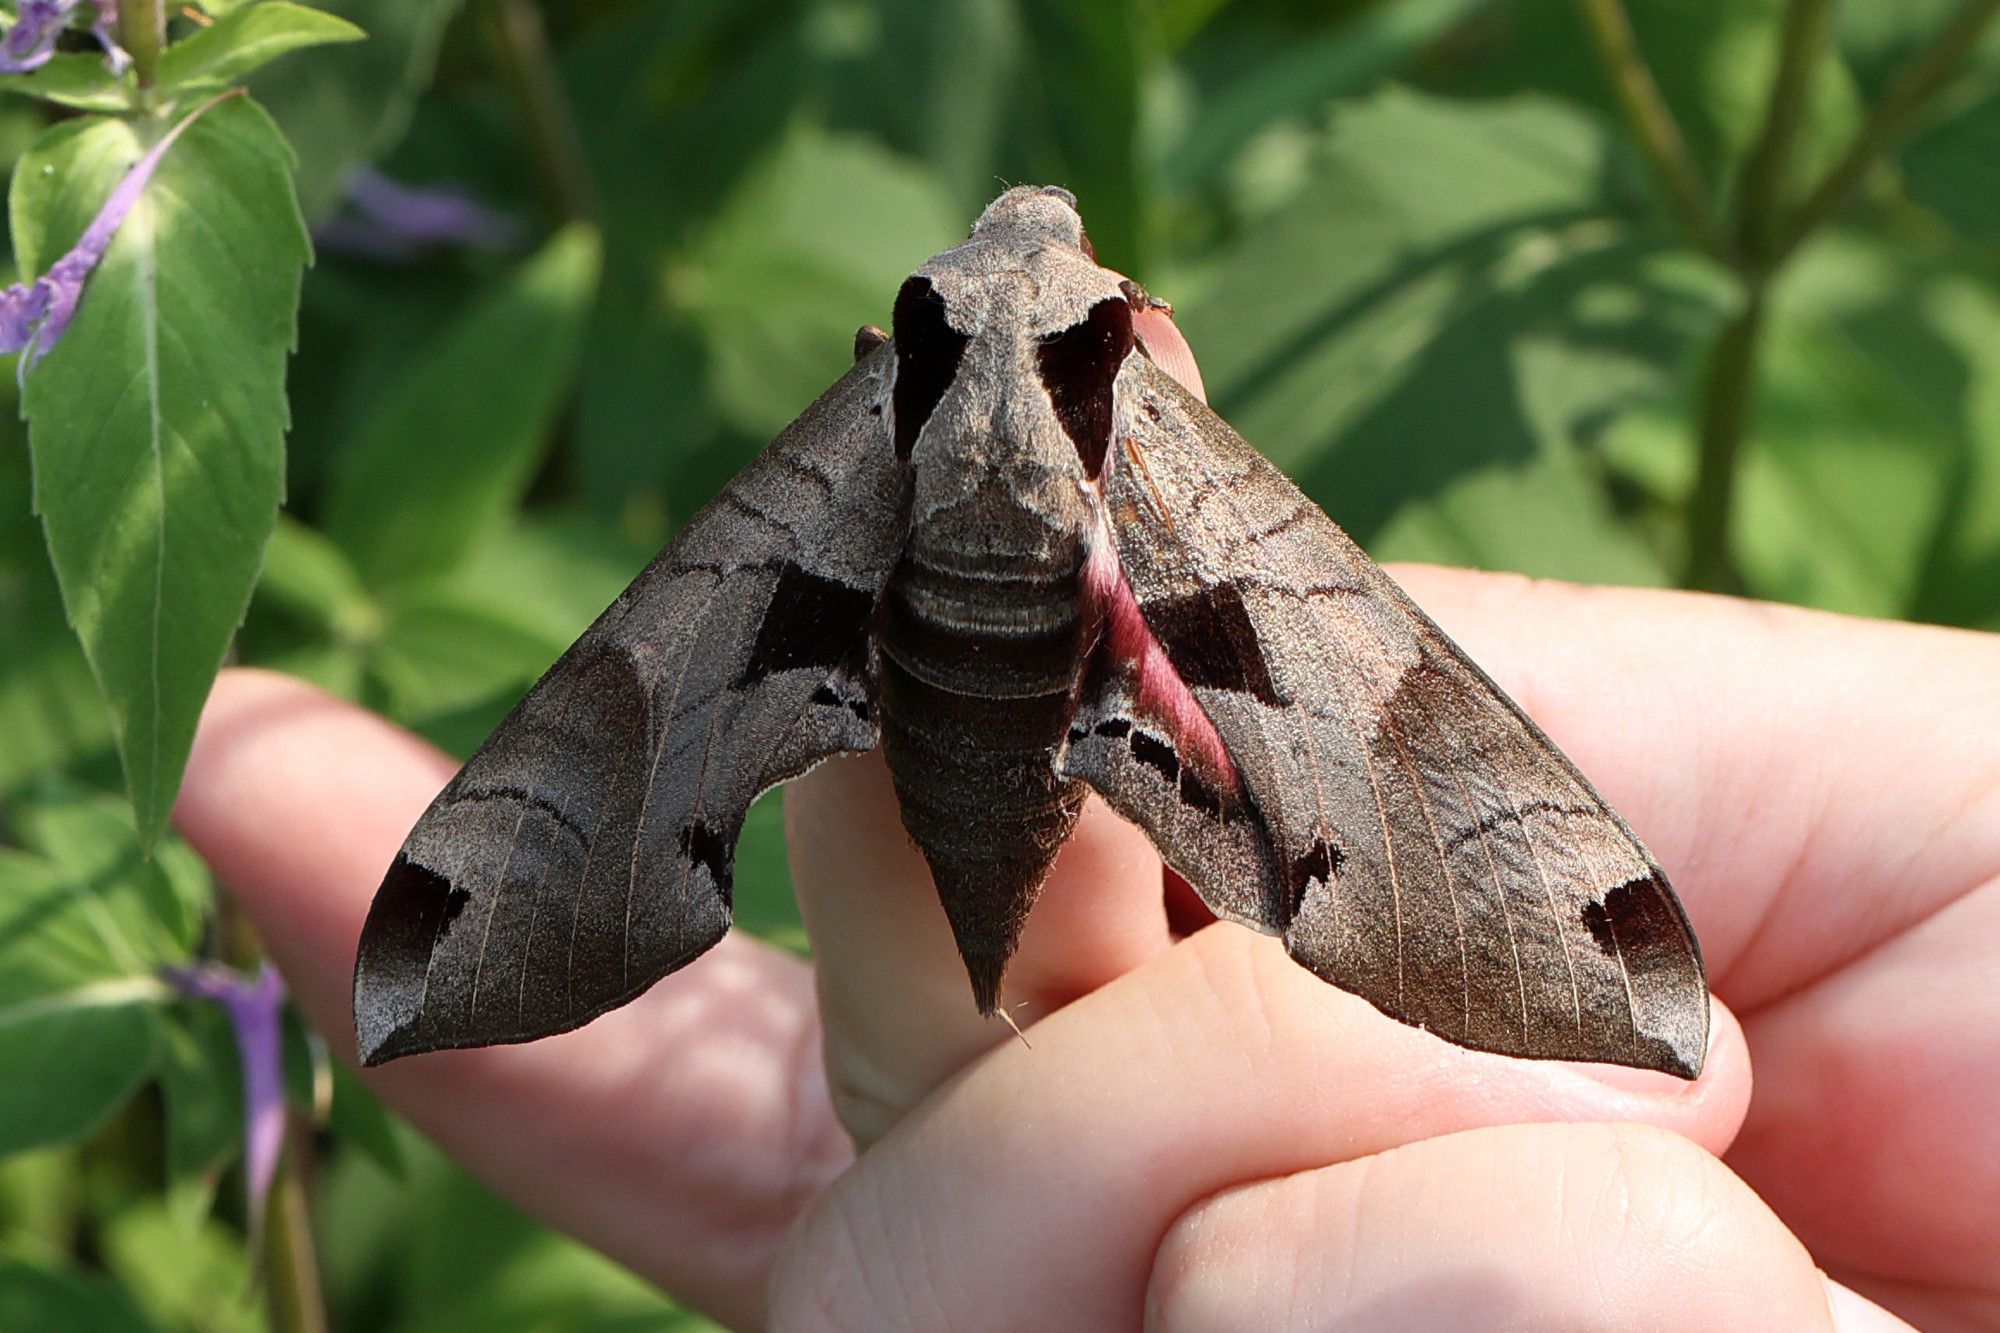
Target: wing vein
[(668, 725)]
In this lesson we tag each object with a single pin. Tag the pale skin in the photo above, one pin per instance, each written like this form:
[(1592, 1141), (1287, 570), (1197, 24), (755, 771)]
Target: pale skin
[(1197, 1134)]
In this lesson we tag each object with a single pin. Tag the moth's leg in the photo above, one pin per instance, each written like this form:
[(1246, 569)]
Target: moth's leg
[(1141, 299)]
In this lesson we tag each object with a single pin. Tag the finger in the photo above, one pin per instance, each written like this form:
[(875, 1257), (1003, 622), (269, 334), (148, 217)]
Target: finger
[(896, 1005), (1818, 791), (892, 991), (1519, 1226), (679, 1134), (1041, 1180), (1169, 350)]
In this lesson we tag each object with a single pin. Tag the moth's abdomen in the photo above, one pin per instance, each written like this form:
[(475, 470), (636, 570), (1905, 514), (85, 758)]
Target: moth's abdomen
[(978, 669)]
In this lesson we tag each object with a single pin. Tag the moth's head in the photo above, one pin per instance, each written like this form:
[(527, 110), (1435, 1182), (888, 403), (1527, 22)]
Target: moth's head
[(1028, 215)]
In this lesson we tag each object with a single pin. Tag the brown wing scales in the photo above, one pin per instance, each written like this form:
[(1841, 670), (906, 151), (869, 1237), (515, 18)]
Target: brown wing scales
[(1429, 848)]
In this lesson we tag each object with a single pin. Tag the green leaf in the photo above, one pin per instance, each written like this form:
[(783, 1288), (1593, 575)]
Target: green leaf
[(813, 244), (1432, 334), (345, 107), (308, 576), (454, 442), (1948, 168), (764, 903), (50, 712), (1872, 481), (78, 79), (76, 996), (359, 1118), (1271, 86), (1713, 64), (551, 573), (40, 1296), (1088, 63), (201, 1085), (502, 1270), (157, 423), (185, 1273), (442, 653), (1546, 517), (239, 42), (42, 1200), (89, 837)]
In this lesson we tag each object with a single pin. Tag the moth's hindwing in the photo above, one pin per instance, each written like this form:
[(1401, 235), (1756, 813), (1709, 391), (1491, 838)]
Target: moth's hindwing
[(584, 851), (1414, 837)]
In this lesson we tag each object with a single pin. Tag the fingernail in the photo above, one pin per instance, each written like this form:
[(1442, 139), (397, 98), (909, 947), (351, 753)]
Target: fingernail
[(1855, 1313)]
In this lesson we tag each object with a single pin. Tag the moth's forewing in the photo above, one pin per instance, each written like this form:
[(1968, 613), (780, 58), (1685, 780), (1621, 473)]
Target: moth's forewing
[(585, 850), (1428, 847)]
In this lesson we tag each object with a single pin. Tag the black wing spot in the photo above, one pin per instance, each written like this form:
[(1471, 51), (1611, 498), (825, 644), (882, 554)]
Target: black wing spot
[(1211, 642), (1114, 727), (1320, 862), (411, 915), (1198, 794), (1638, 921), (927, 354), (811, 622), (1079, 368), (832, 698), (714, 852), (1157, 754)]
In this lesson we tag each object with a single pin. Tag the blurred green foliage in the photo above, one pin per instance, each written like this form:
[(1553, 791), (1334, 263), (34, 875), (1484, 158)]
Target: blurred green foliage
[(1420, 245)]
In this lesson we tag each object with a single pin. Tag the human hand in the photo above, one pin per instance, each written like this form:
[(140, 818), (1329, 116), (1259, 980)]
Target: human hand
[(1202, 1129)]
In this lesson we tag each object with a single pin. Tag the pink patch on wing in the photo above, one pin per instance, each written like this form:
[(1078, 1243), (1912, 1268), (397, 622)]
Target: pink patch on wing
[(1163, 698)]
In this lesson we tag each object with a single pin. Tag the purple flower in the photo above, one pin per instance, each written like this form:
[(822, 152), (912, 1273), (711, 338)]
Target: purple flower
[(34, 314), (253, 1007), (38, 23), (389, 221)]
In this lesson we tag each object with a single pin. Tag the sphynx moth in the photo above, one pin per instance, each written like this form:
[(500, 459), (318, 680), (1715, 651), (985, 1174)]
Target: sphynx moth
[(1013, 552)]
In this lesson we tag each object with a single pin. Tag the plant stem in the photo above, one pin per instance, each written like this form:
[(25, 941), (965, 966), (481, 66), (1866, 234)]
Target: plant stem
[(1658, 134), (528, 68), (1760, 192), (1906, 96), (142, 31), (291, 1269), (1728, 393)]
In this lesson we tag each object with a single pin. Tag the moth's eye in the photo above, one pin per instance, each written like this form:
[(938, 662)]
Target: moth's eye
[(927, 353), (1079, 367)]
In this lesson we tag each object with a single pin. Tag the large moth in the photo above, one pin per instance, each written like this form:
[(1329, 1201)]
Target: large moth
[(1013, 552)]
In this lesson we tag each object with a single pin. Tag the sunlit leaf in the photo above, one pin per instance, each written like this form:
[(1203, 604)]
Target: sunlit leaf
[(75, 79), (814, 244), (157, 423), (241, 41), (183, 1272), (1871, 482), (76, 997), (1431, 335)]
